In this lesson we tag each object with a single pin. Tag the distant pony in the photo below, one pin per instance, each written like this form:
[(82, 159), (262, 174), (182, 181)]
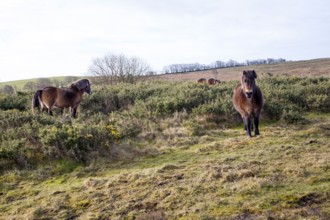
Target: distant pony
[(51, 97), (248, 101), (202, 80), (212, 81)]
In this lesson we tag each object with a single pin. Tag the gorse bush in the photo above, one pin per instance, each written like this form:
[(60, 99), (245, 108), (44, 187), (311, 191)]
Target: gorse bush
[(77, 141), (19, 101), (293, 117), (26, 139), (164, 98), (300, 94), (146, 109)]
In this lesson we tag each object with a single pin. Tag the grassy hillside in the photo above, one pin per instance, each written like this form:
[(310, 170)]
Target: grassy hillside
[(310, 68), (169, 150), (19, 84), (317, 67), (283, 174)]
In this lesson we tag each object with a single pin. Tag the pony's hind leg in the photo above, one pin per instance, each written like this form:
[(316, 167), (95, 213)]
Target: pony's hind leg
[(43, 109), (50, 112)]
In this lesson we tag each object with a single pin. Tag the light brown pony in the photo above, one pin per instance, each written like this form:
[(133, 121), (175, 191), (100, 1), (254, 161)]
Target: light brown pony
[(202, 80), (212, 81), (248, 101), (51, 97)]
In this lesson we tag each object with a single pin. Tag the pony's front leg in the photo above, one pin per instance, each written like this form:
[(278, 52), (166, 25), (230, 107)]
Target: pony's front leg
[(73, 112), (247, 124), (256, 126)]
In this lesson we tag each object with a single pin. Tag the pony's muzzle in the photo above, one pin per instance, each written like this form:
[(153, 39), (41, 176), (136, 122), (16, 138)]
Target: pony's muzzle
[(248, 94)]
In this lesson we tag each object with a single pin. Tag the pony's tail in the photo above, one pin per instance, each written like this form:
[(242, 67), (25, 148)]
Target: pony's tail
[(36, 100)]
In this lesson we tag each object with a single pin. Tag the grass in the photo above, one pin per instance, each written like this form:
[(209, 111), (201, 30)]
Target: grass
[(316, 67), (19, 84), (282, 174)]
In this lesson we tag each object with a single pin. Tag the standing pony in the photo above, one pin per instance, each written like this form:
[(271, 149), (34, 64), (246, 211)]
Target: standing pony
[(212, 81), (51, 97), (201, 80), (248, 101)]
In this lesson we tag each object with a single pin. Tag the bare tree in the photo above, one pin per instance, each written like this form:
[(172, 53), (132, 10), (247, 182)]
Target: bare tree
[(113, 68)]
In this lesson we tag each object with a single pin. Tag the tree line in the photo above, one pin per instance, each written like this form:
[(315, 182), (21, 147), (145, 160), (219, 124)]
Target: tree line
[(113, 68), (190, 67), (116, 68)]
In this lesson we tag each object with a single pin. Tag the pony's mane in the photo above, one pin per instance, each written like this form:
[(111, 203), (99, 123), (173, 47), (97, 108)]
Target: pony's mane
[(79, 84)]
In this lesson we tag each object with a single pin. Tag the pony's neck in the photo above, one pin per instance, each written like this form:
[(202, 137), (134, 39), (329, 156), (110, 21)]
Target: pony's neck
[(74, 87)]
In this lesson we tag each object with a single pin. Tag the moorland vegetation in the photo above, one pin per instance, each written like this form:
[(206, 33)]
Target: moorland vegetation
[(159, 149)]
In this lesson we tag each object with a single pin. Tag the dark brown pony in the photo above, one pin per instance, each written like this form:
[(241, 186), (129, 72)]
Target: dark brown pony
[(212, 81), (51, 97), (248, 101), (201, 80)]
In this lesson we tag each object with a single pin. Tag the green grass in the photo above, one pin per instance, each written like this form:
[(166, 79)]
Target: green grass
[(282, 174), (19, 84)]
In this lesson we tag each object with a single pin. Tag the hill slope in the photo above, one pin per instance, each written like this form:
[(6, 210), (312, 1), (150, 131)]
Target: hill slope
[(169, 150), (19, 84), (317, 67), (283, 174)]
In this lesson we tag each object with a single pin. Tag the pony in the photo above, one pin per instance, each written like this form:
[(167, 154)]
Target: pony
[(212, 81), (248, 101), (201, 80), (51, 97)]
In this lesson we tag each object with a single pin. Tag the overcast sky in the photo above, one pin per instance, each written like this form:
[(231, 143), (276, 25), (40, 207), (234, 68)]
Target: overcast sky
[(41, 38)]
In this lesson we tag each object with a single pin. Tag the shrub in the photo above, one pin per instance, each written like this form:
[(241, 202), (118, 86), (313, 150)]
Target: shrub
[(127, 125), (12, 153), (194, 128), (318, 102), (293, 117), (77, 141), (18, 101), (272, 110), (144, 109)]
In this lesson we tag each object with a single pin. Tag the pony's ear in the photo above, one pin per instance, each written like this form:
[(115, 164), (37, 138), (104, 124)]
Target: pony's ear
[(244, 72), (254, 74)]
